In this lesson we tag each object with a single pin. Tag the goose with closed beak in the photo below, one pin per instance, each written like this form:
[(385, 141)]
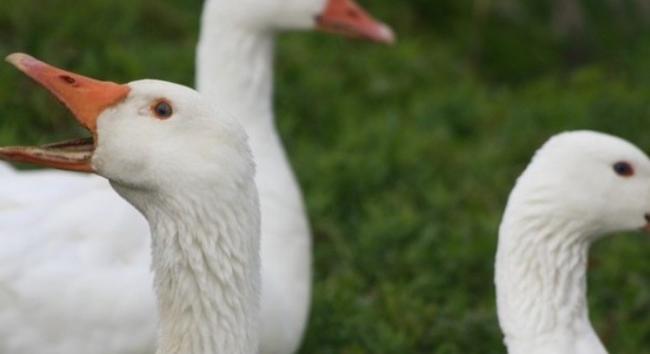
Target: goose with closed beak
[(92, 243), (235, 70), (188, 169), (578, 187)]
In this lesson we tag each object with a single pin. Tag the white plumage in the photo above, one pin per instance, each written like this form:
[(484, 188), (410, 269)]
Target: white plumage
[(194, 184), (66, 259), (70, 231), (576, 189)]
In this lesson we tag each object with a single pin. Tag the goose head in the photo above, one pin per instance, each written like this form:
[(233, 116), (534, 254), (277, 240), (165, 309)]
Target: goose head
[(343, 17), (594, 180), (165, 132)]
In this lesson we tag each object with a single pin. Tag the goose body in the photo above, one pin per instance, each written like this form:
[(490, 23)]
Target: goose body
[(198, 196), (83, 236), (95, 283), (580, 186)]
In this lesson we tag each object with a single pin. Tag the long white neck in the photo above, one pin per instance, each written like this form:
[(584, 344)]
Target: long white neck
[(540, 279), (235, 70), (205, 258)]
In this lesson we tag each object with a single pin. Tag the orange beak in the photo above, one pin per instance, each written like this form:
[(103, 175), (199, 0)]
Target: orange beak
[(347, 18), (86, 98)]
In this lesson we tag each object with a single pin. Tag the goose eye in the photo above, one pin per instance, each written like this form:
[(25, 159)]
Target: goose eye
[(162, 109), (623, 168)]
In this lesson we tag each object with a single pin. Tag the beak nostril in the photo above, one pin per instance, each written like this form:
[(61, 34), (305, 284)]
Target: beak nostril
[(353, 13), (68, 79)]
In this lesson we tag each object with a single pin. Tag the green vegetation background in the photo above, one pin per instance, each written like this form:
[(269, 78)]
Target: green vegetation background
[(406, 154)]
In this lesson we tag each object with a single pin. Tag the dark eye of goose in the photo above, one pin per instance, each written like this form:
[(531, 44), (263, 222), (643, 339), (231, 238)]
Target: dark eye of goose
[(623, 168), (162, 109)]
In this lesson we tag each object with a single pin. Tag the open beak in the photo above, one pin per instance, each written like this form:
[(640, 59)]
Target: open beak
[(86, 98), (347, 18)]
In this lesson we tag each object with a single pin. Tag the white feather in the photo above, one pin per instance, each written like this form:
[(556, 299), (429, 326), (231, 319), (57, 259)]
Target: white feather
[(567, 197), (234, 70)]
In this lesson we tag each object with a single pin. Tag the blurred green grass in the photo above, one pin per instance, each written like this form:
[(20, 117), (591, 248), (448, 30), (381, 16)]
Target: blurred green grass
[(406, 154)]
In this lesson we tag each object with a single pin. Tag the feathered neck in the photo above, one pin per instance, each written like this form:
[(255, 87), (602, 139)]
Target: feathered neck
[(205, 259), (235, 69), (540, 278)]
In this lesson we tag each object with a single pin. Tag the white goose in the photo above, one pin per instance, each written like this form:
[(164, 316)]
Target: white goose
[(190, 172), (579, 186), (85, 246), (235, 71)]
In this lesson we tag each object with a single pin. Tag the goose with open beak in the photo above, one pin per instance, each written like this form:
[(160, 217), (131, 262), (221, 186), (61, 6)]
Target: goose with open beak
[(214, 297)]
